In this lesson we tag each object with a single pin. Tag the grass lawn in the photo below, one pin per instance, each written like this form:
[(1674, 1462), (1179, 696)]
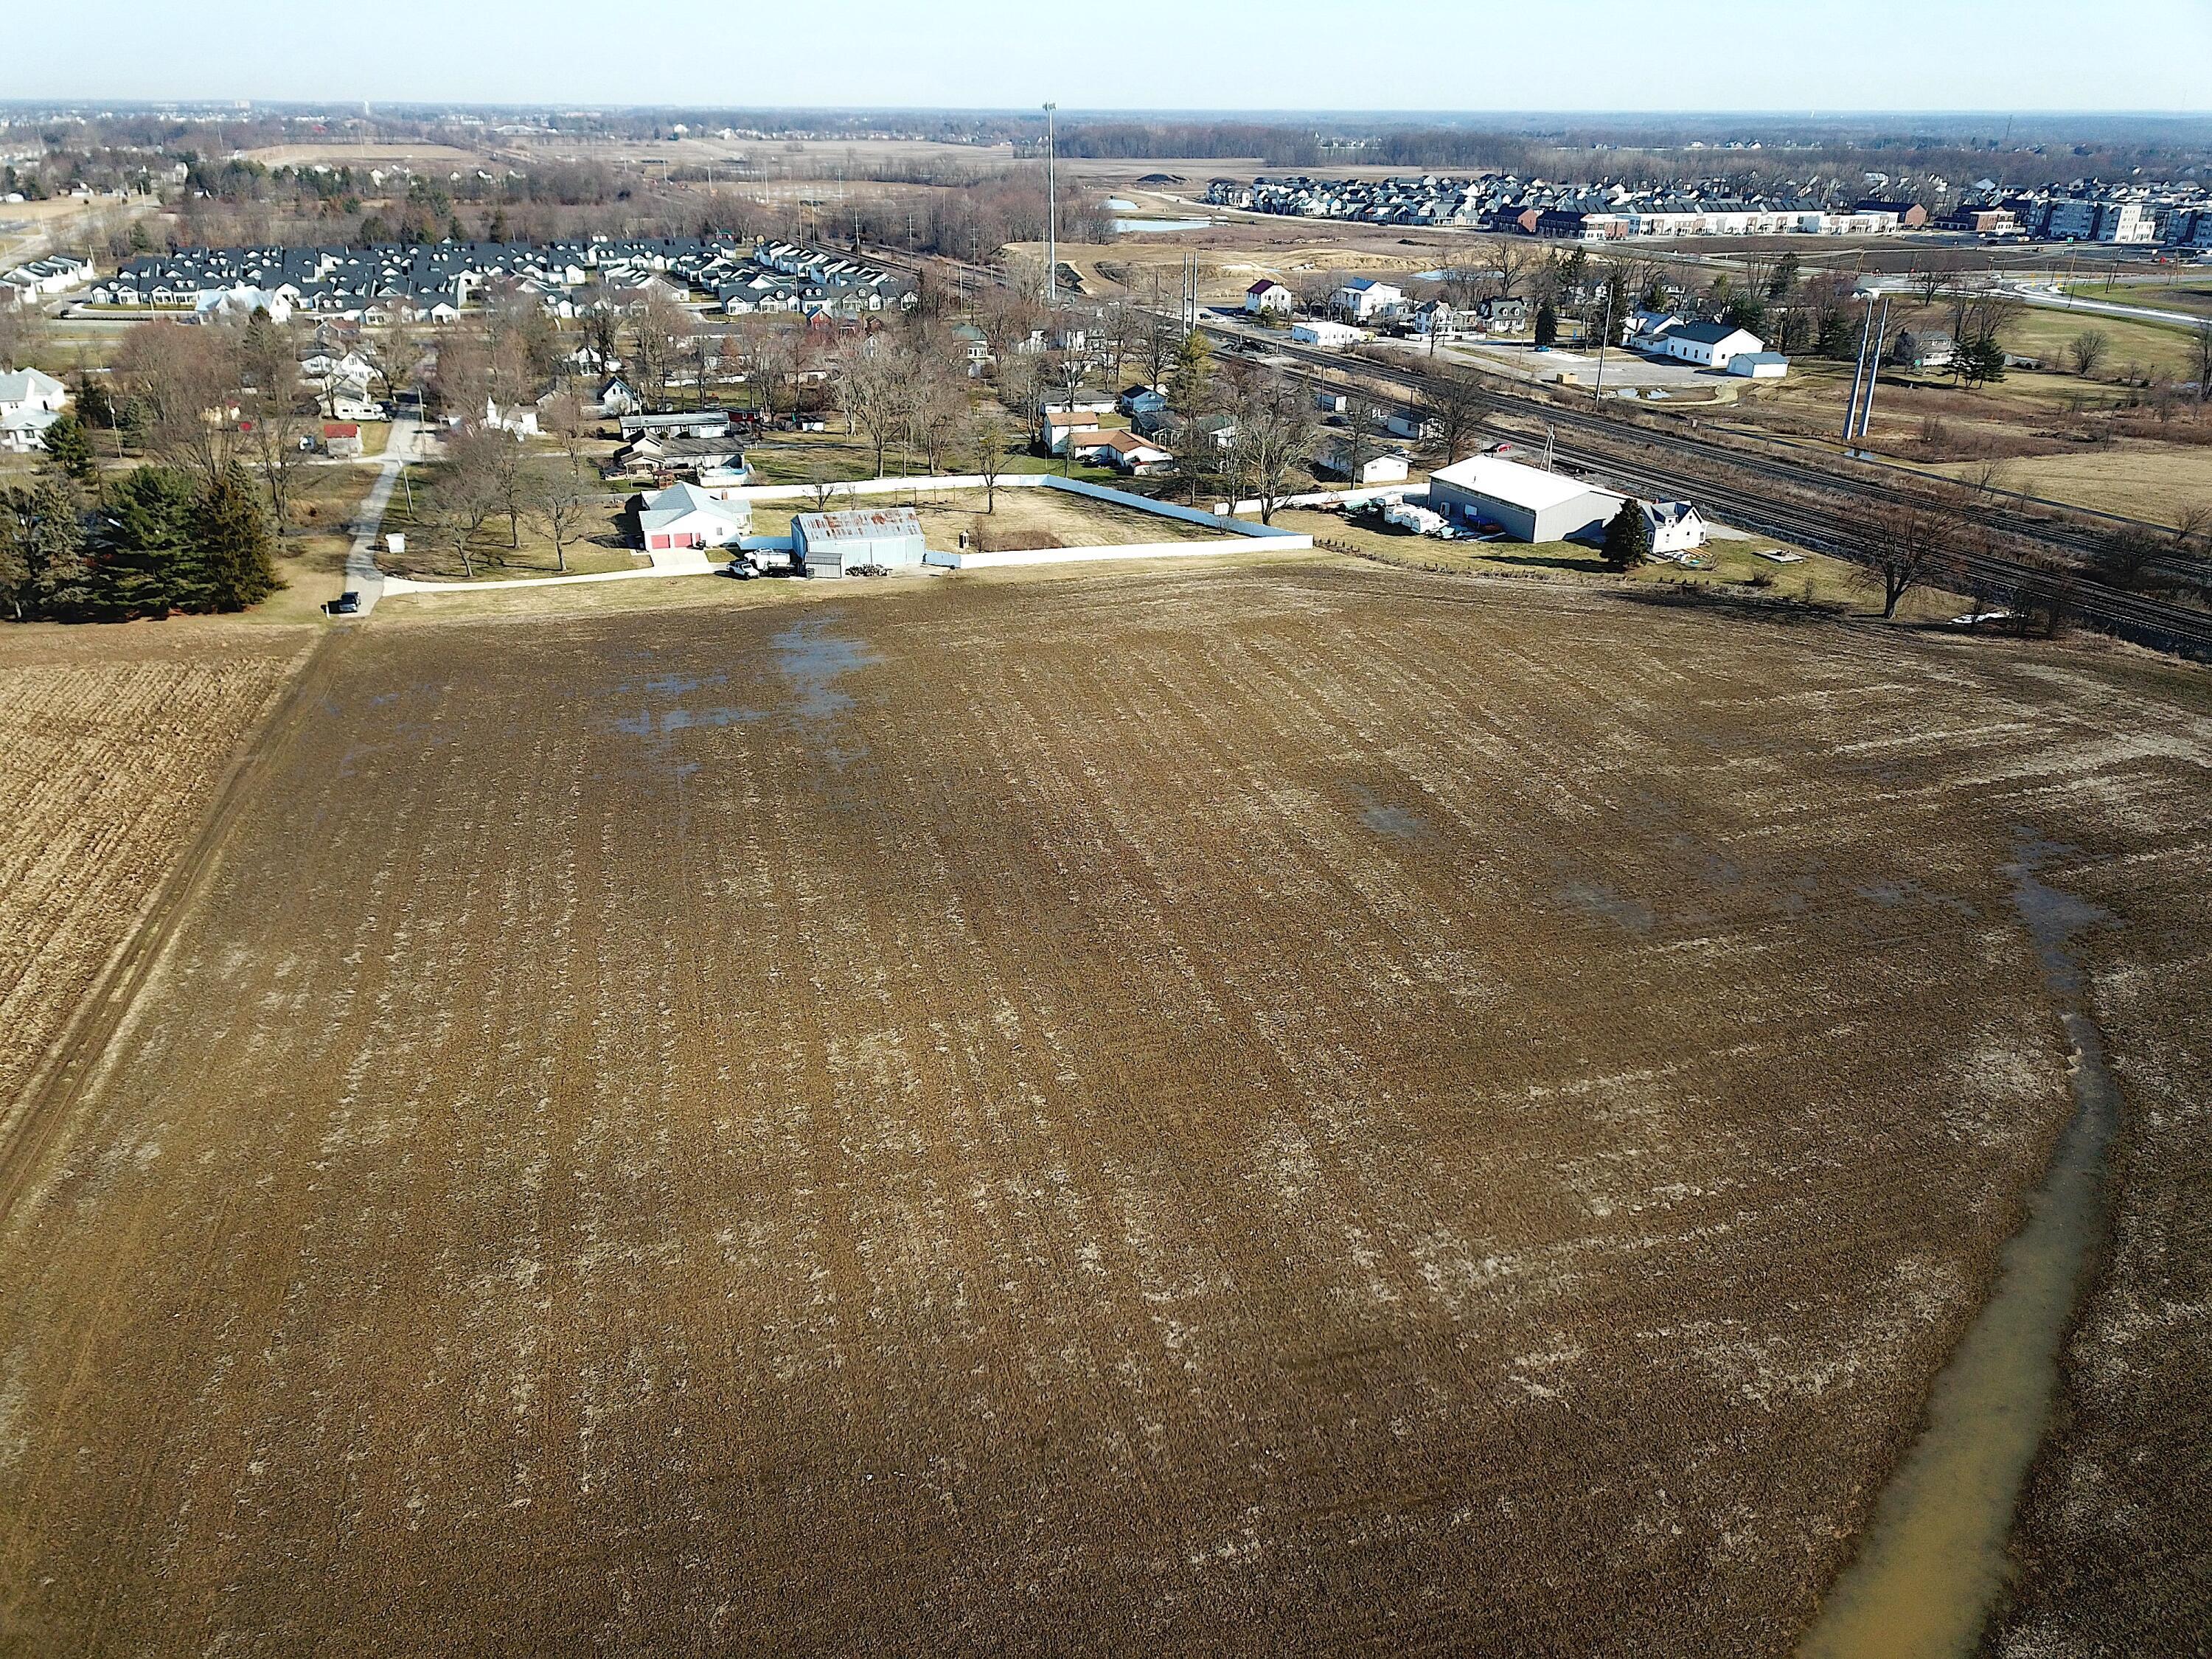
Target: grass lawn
[(2151, 480), (1736, 565), (2043, 332), (2191, 292), (604, 546)]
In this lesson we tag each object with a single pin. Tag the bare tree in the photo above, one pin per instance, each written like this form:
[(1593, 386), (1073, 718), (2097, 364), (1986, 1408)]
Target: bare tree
[(566, 419), (465, 497), (821, 488), (1909, 542), (771, 359), (937, 400), (983, 438), (1455, 401), (2086, 350), (870, 391), (1275, 429), (661, 331), (2191, 522), (397, 358), (1366, 419), (185, 380), (558, 499), (2200, 359), (462, 375)]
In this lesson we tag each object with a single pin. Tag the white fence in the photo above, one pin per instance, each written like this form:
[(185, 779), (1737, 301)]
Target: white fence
[(1286, 541)]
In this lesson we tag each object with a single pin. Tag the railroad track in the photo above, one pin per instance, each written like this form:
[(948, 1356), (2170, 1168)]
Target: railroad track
[(1700, 468)]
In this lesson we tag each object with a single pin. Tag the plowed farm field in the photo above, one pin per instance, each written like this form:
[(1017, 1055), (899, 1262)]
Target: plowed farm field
[(112, 742), (1286, 1108)]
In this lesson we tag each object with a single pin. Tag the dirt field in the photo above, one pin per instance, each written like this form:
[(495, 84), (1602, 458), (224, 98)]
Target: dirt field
[(112, 743), (2110, 1550), (1286, 1108)]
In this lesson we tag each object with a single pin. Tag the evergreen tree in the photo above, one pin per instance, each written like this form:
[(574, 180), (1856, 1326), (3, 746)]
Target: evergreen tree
[(1547, 325), (1628, 537), (1979, 361), (1780, 285), (1193, 372), (43, 571), (70, 445), (230, 542), (141, 545)]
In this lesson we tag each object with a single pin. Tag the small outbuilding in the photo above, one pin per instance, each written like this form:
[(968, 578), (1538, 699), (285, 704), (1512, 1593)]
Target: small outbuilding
[(341, 438), (1759, 365), (1389, 467), (1530, 504), (837, 543)]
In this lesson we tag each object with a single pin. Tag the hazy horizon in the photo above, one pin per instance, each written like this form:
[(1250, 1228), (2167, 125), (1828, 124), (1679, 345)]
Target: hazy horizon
[(1420, 56)]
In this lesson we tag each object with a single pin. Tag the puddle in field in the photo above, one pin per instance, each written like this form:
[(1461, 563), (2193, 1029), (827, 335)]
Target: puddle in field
[(662, 710), (1933, 1558), (811, 661), (1385, 819), (1601, 904)]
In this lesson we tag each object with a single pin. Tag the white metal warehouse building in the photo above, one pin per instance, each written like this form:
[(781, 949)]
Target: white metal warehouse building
[(1529, 503)]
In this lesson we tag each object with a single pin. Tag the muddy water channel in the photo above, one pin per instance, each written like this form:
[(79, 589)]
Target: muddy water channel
[(1933, 1558)]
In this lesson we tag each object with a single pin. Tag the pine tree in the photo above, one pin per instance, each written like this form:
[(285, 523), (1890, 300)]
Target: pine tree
[(142, 554), (231, 543), (1547, 325), (70, 445), (1193, 371), (1628, 537), (42, 551)]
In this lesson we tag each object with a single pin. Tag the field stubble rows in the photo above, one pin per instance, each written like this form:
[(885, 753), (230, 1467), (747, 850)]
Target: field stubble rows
[(111, 743), (1260, 1109)]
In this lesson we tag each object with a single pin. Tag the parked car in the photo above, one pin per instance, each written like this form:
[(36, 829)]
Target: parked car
[(347, 603)]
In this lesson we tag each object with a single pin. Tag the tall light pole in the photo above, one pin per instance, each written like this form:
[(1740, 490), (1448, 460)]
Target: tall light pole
[(1051, 216)]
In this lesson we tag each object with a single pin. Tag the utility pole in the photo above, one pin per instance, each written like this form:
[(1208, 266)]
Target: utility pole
[(1603, 340), (1051, 214), (1874, 368), (1858, 373)]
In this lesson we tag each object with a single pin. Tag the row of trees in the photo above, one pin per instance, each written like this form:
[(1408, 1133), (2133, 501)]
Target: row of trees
[(153, 541)]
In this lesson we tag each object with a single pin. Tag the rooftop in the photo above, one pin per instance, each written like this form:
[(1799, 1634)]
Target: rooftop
[(1513, 484), (862, 524)]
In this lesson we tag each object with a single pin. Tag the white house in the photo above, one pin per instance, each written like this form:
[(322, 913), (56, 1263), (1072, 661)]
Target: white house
[(1389, 467), (1267, 297), (1710, 345), (1759, 365), (24, 430), (27, 388), (1060, 426), (685, 515), (1315, 331), (521, 420), (1363, 298), (1675, 526), (237, 304), (1123, 450)]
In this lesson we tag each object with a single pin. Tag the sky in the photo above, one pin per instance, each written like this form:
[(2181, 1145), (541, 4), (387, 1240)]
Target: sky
[(1795, 55)]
